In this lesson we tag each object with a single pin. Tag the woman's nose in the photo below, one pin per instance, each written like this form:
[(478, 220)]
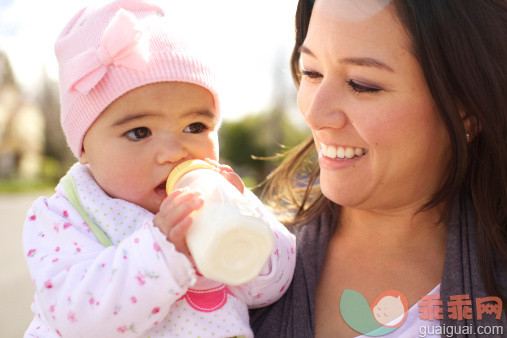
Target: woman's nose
[(170, 150), (324, 106)]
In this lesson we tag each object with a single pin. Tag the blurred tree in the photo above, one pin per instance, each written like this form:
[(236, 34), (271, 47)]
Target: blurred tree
[(6, 73), (58, 155), (260, 135), (21, 129), (263, 134)]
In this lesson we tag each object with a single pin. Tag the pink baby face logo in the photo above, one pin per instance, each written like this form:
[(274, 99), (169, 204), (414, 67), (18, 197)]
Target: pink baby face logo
[(390, 308), (386, 314)]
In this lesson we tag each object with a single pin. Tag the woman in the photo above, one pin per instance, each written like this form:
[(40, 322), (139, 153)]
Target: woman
[(407, 108)]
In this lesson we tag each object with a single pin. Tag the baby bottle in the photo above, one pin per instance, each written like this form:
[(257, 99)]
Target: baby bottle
[(229, 240)]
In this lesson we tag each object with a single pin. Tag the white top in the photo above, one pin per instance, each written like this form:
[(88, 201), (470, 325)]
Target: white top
[(411, 327), (140, 286)]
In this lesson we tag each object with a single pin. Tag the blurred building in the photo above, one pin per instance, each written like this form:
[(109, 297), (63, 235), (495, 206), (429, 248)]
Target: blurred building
[(21, 135)]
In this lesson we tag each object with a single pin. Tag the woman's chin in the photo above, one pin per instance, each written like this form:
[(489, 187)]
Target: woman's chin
[(344, 195)]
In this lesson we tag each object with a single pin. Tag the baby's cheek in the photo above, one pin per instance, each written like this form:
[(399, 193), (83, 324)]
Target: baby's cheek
[(130, 189)]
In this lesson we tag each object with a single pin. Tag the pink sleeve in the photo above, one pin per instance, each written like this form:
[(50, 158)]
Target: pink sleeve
[(85, 289), (276, 275)]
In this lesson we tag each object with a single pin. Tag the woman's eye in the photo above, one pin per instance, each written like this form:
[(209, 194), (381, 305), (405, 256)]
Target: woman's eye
[(195, 128), (138, 134), (310, 74), (360, 88)]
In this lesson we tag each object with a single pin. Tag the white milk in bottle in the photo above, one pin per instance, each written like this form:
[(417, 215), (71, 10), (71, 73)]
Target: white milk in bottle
[(229, 240)]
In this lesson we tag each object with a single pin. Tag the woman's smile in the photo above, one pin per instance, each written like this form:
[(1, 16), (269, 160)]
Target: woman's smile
[(334, 157), (341, 152)]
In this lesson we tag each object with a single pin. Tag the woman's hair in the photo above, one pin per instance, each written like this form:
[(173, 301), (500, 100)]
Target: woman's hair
[(461, 49)]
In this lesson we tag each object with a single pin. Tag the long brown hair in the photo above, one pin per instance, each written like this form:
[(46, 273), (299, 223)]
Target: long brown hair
[(461, 49)]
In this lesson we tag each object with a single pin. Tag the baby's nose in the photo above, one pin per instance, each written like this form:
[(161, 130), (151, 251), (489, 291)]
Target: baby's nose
[(171, 150)]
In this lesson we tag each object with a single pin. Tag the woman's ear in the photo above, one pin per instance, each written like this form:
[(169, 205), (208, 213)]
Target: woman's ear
[(471, 125)]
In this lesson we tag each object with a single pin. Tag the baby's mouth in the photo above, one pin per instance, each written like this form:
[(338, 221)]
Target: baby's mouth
[(161, 190)]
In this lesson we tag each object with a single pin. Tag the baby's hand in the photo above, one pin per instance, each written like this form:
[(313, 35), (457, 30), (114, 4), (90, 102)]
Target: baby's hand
[(229, 174), (173, 218)]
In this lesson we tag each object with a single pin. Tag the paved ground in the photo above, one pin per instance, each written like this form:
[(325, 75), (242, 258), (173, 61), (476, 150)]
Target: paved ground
[(16, 290)]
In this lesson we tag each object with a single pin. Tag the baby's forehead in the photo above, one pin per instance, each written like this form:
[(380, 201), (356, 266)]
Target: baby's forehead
[(178, 99), (158, 117)]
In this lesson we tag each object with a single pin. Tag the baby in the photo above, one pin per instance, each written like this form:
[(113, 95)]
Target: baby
[(107, 251)]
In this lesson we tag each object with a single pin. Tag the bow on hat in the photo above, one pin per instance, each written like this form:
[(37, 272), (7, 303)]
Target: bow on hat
[(121, 45)]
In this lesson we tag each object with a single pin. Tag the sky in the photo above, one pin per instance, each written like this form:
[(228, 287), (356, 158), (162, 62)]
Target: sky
[(248, 43)]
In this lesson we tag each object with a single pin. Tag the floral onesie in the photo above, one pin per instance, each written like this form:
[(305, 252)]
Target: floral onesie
[(140, 285)]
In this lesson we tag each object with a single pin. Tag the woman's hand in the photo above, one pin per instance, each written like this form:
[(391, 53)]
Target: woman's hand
[(173, 218), (229, 174)]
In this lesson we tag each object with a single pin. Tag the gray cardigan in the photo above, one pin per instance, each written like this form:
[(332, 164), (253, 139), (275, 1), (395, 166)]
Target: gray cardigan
[(294, 314)]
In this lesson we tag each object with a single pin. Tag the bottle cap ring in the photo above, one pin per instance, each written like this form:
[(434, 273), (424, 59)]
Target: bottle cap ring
[(183, 168)]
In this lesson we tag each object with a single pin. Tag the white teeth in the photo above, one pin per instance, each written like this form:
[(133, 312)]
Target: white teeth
[(340, 152), (332, 151), (349, 152), (323, 149)]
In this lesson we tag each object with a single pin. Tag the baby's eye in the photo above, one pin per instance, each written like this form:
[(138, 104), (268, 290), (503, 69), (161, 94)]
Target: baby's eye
[(195, 128), (137, 134)]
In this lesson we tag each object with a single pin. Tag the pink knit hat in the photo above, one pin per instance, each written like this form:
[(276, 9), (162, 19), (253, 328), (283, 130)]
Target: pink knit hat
[(105, 52)]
